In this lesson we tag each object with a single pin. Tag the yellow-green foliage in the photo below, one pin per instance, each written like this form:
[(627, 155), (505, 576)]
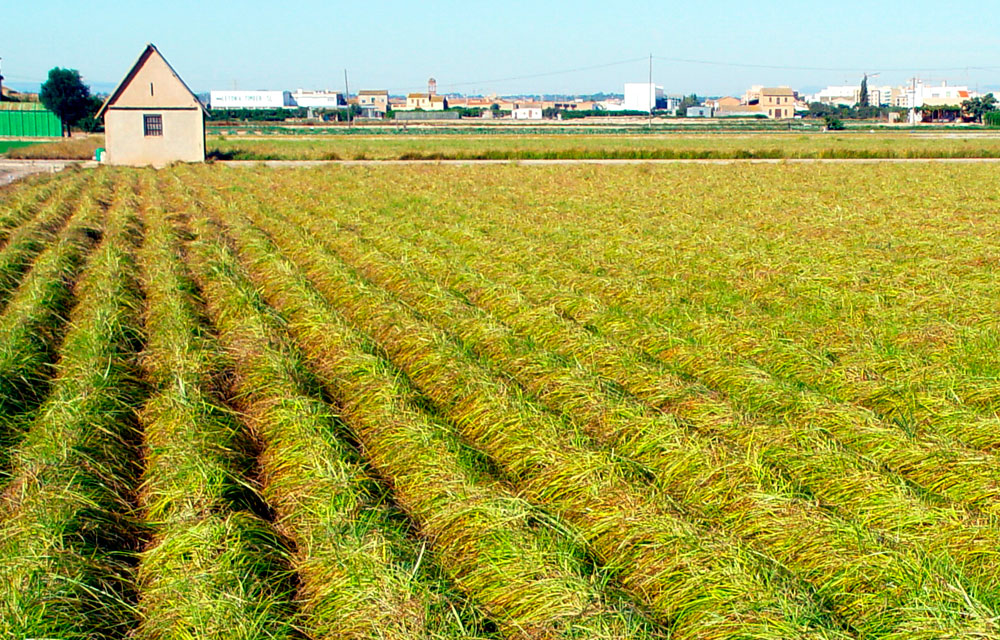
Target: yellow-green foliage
[(729, 401)]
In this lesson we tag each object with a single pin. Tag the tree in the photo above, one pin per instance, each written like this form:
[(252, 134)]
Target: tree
[(863, 98), (687, 101), (833, 123), (976, 108), (65, 95)]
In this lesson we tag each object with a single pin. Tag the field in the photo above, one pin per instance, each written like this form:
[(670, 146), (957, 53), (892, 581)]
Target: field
[(504, 401), (7, 145), (438, 143), (427, 146)]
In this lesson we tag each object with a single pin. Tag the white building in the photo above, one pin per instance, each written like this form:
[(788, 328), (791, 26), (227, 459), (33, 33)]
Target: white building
[(845, 94), (319, 99), (526, 113), (642, 96), (251, 100), (849, 95), (918, 94)]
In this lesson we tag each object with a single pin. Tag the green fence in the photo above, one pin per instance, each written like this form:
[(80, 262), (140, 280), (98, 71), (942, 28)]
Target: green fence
[(28, 120), (992, 118)]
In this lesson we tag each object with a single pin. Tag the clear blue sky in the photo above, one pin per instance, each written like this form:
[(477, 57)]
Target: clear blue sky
[(476, 47)]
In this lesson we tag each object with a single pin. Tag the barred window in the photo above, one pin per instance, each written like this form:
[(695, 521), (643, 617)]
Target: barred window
[(152, 125)]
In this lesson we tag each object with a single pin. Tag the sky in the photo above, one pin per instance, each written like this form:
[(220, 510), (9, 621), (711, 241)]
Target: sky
[(507, 47)]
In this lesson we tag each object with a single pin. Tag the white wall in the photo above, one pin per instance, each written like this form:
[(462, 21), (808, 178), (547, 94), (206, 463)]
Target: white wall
[(319, 99), (527, 113), (641, 96), (251, 100), (183, 138)]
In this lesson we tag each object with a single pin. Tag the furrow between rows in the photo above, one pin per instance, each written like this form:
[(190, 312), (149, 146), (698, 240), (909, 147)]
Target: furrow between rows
[(214, 569), (511, 558), (966, 477), (871, 583), (360, 574), (682, 572), (34, 321), (67, 539)]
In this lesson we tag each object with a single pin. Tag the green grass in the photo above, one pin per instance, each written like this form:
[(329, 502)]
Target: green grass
[(595, 146), (33, 321), (67, 535), (7, 145), (25, 242)]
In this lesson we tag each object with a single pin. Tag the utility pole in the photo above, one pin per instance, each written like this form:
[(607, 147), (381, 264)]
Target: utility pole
[(347, 98), (652, 94)]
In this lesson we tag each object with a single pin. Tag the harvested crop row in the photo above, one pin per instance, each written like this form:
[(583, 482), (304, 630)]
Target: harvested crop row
[(806, 459), (671, 301), (627, 250), (965, 477), (361, 576), (867, 582), (30, 239), (748, 335), (213, 569), (696, 582), (22, 205), (895, 396), (33, 322), (935, 464), (509, 557), (66, 541)]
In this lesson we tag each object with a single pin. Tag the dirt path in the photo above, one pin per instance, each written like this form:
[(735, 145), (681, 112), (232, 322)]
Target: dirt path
[(11, 170)]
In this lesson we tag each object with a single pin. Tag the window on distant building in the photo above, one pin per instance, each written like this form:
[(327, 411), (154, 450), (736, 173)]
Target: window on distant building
[(152, 125)]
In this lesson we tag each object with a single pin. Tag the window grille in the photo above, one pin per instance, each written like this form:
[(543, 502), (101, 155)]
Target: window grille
[(152, 125)]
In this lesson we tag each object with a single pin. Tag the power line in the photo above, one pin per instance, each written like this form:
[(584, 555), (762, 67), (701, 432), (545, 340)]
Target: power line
[(546, 73), (749, 65), (717, 63)]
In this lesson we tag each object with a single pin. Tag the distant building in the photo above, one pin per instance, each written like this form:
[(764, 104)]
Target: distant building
[(777, 102), (152, 117), (752, 95), (377, 102), (251, 100), (699, 112), (526, 113), (642, 96), (426, 102), (318, 99), (723, 103), (850, 95), (740, 111)]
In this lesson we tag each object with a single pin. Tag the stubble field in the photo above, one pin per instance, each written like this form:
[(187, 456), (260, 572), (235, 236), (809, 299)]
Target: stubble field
[(503, 401)]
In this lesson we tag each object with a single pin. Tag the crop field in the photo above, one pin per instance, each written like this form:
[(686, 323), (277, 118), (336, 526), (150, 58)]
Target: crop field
[(638, 145), (503, 401), (438, 143)]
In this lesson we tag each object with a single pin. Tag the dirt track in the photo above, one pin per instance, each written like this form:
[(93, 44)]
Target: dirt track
[(11, 170)]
